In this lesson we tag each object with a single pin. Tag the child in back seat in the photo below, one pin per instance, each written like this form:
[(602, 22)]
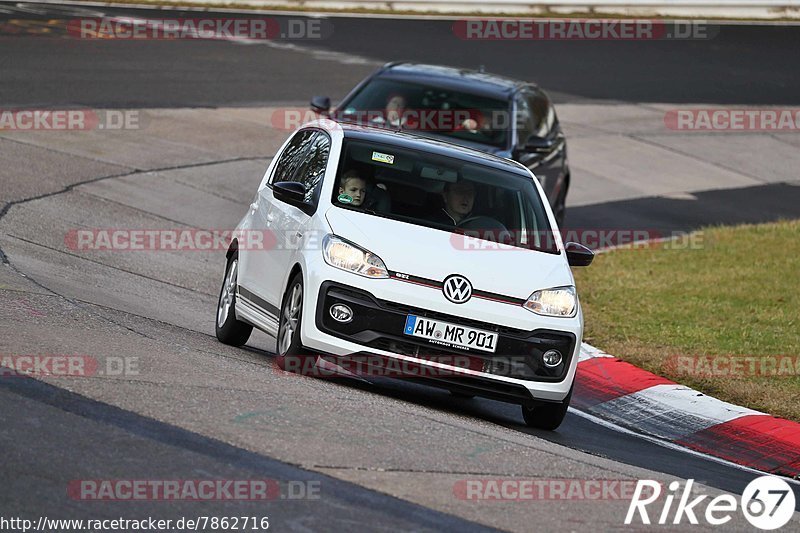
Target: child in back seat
[(353, 187)]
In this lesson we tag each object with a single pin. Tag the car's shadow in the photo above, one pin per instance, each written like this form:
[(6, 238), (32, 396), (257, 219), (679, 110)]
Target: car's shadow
[(576, 432)]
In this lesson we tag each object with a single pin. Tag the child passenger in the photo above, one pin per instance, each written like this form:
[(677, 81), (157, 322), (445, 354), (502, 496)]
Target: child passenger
[(354, 186)]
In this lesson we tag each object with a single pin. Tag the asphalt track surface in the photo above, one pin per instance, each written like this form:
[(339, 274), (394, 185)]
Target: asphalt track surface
[(65, 435), (740, 65)]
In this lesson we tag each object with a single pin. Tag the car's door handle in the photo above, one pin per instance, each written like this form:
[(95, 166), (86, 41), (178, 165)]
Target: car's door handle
[(270, 217)]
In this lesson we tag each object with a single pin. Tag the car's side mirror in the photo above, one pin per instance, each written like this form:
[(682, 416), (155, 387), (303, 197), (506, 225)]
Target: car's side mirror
[(578, 255), (290, 192), (321, 104), (538, 144)]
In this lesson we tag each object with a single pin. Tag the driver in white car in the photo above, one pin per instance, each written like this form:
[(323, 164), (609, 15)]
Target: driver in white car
[(459, 199)]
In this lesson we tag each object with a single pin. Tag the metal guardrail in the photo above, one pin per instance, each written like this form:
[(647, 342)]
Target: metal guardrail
[(730, 9), (758, 9)]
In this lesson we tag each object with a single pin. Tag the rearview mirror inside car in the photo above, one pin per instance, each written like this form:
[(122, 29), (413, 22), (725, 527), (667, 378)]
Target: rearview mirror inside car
[(578, 255), (321, 104)]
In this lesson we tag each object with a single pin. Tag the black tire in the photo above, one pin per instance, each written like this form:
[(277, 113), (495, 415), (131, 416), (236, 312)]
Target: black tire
[(290, 317), (547, 416), (229, 330)]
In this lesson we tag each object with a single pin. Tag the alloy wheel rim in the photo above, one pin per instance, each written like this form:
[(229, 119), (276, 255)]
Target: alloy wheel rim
[(227, 294), (291, 316)]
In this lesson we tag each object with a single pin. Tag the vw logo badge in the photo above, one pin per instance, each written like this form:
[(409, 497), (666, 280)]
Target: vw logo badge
[(457, 289)]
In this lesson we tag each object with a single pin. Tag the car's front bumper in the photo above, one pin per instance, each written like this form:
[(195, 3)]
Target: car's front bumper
[(377, 330)]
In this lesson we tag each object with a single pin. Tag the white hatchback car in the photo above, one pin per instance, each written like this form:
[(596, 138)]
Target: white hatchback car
[(438, 261)]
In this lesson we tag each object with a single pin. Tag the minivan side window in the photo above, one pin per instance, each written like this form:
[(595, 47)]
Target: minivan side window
[(292, 156)]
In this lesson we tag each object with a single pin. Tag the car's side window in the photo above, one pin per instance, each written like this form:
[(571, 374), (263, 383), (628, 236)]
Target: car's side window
[(292, 156), (312, 170), (542, 112), (524, 119)]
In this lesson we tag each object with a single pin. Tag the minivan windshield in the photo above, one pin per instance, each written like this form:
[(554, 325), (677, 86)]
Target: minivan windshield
[(427, 109), (442, 192)]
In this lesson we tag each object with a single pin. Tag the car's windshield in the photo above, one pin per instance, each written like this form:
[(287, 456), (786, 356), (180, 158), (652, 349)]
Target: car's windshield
[(442, 192), (427, 109)]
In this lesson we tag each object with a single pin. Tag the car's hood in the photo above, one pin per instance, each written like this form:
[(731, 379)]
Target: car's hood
[(435, 254)]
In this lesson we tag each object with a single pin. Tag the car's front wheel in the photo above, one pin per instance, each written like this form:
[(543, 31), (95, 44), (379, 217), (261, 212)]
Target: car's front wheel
[(547, 416), (229, 329), (289, 323)]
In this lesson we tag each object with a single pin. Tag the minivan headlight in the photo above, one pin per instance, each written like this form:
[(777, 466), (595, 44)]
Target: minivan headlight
[(558, 301), (346, 256)]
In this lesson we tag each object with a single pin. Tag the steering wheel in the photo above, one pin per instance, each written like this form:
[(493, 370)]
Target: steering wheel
[(486, 228)]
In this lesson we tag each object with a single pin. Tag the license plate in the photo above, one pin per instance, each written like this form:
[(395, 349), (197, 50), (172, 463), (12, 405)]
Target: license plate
[(448, 335)]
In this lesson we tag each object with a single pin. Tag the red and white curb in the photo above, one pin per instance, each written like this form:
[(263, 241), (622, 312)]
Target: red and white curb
[(627, 396)]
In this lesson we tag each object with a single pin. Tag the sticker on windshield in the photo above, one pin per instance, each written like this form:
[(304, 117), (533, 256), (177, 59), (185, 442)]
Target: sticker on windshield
[(383, 158), (345, 199)]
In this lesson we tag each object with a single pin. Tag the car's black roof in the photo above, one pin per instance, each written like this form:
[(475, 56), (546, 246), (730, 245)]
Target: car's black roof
[(410, 141), (471, 81)]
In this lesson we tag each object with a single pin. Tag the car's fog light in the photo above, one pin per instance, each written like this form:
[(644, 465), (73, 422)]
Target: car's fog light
[(551, 358), (341, 313)]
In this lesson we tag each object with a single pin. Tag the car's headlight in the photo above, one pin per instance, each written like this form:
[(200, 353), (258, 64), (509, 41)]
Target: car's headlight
[(341, 254), (558, 301)]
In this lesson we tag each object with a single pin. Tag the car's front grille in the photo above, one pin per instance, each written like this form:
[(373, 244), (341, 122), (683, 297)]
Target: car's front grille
[(408, 310), (453, 319), (379, 324)]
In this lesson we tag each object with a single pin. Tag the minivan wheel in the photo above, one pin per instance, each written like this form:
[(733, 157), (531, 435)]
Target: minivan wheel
[(548, 416), (230, 330), (288, 343)]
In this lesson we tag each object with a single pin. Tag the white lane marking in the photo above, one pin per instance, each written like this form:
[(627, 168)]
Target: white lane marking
[(670, 445), (670, 412), (316, 53)]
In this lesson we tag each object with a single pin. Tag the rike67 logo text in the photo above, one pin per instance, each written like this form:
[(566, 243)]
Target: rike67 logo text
[(767, 503)]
